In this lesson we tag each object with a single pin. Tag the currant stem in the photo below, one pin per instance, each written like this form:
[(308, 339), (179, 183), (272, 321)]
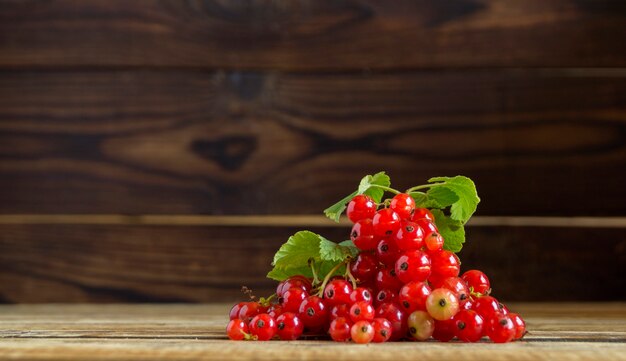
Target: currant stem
[(316, 280), (320, 293), (350, 276), (388, 189), (423, 186)]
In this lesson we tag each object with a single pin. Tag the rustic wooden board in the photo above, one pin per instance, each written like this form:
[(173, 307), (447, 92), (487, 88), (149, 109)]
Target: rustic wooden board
[(189, 142), (313, 34), (594, 331), (134, 263)]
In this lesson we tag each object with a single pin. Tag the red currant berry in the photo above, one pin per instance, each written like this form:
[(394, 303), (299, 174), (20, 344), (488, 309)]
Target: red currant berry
[(387, 279), (362, 310), (469, 326), (250, 309), (409, 236), (361, 294), (339, 329), (403, 204), (413, 266), (362, 332), (263, 327), (445, 264), (364, 267), (234, 312), (342, 310), (442, 304), (486, 306), (385, 222), (427, 226), (275, 310), (387, 252), (385, 296), (337, 292), (289, 326), (292, 298), (434, 241), (396, 317), (422, 213), (520, 325), (382, 329), (313, 313), (237, 329), (458, 286), (360, 207), (413, 295), (362, 235), (500, 328), (477, 281), (444, 330), (293, 282), (421, 325)]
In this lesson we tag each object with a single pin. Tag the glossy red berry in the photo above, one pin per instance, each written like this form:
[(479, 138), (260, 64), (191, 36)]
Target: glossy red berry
[(337, 292), (409, 236), (362, 235), (421, 325), (362, 310), (385, 296), (442, 304), (237, 329), (385, 222), (342, 310), (413, 295), (500, 328), (403, 204), (458, 286), (339, 329), (362, 332), (234, 312), (289, 326), (434, 241), (469, 326), (444, 330), (382, 329), (387, 252), (444, 264), (313, 313), (361, 294), (427, 226), (386, 278), (396, 317), (292, 298), (486, 306), (364, 267), (250, 309), (263, 327), (293, 282), (422, 213), (360, 207), (412, 266), (275, 310), (477, 281), (520, 325)]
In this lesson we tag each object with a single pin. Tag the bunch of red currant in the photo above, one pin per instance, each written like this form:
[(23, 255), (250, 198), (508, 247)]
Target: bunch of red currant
[(403, 284)]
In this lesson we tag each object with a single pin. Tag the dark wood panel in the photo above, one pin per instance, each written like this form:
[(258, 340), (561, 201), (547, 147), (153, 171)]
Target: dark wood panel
[(82, 263), (146, 142), (311, 34)]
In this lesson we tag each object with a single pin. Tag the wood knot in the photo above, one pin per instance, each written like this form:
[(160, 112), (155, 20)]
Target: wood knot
[(229, 152)]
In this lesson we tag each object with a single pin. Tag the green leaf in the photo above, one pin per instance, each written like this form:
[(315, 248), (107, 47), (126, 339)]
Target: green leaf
[(463, 187), (298, 250), (366, 186), (331, 251), (451, 230), (280, 274)]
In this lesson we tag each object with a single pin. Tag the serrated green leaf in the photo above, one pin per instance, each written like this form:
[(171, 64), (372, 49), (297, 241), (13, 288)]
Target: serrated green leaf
[(280, 274), (334, 212), (451, 230), (352, 250), (333, 252), (298, 250), (462, 209), (442, 197)]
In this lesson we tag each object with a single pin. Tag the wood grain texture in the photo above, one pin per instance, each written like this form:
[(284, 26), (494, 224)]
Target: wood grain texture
[(312, 34), (108, 263), (195, 142), (112, 332)]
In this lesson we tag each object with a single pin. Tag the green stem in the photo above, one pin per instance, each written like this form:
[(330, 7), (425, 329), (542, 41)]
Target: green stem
[(423, 186), (316, 280), (388, 189), (320, 293), (350, 276)]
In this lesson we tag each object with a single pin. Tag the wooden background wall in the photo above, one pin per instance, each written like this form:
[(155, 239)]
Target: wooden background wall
[(132, 131)]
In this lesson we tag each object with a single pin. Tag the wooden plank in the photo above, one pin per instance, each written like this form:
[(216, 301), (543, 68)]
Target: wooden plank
[(164, 332), (311, 34), (108, 263), (193, 142)]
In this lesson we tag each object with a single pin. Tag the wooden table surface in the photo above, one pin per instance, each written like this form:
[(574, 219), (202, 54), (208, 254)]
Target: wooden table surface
[(594, 331)]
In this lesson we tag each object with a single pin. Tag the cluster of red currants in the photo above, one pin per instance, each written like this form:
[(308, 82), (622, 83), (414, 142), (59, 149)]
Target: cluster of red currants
[(406, 286)]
